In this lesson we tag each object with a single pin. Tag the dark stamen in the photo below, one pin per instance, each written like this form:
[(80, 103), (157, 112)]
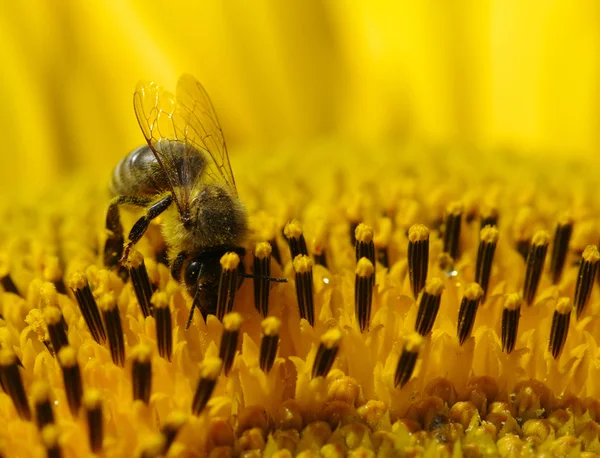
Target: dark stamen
[(363, 292), (171, 428), (489, 217), (88, 307), (114, 329), (560, 247), (40, 393), (262, 268), (50, 435), (268, 342), (67, 358), (429, 305), (418, 257), (141, 282), (560, 326), (454, 213), (92, 402), (12, 383), (295, 237), (365, 246), (275, 251), (510, 321), (408, 359), (228, 284), (304, 288), (9, 285), (327, 352), (164, 325), (468, 310), (209, 372), (54, 320), (232, 322), (488, 238), (585, 278), (535, 265), (141, 373)]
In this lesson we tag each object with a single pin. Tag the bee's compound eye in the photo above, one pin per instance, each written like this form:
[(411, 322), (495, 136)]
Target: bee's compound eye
[(191, 272)]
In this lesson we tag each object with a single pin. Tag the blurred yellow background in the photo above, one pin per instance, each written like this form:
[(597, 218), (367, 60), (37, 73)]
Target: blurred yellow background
[(500, 74)]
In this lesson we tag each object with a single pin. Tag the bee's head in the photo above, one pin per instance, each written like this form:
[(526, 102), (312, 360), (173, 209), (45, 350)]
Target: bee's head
[(201, 276)]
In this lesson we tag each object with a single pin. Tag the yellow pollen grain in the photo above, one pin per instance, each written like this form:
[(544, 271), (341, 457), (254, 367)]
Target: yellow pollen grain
[(160, 300), (141, 353), (541, 238), (210, 368), (7, 357), (363, 233), (107, 302), (473, 291), (230, 261), (92, 399), (331, 338), (52, 315), (564, 305), (302, 264), (270, 326), (50, 435), (40, 391), (489, 234), (232, 322), (67, 357), (455, 208), (262, 250), (364, 268), (418, 233), (293, 229), (35, 320), (413, 342), (77, 280), (434, 287), (48, 294), (176, 419), (591, 254), (513, 301), (135, 259)]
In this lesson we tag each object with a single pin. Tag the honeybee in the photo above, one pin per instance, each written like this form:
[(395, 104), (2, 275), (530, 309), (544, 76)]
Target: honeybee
[(183, 173)]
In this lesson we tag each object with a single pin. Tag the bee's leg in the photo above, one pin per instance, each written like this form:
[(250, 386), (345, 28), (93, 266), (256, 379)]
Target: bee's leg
[(140, 226), (113, 248), (177, 265)]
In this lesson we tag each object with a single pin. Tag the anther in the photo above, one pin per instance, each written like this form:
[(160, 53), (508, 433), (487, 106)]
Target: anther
[(452, 232), (304, 288), (92, 402), (50, 435), (87, 305), (429, 305), (365, 246), (560, 247), (268, 342), (327, 352), (164, 325), (232, 322), (488, 239), (49, 298), (54, 320), (114, 329), (275, 251), (141, 282), (228, 284), (262, 269), (418, 257), (489, 217), (510, 321), (408, 359), (9, 285), (12, 383), (141, 373), (67, 358), (40, 392), (560, 326), (585, 278), (171, 428), (468, 310), (535, 265), (209, 372), (295, 237), (363, 292)]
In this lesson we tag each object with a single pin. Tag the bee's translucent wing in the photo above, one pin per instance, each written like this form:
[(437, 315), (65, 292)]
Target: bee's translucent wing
[(204, 132)]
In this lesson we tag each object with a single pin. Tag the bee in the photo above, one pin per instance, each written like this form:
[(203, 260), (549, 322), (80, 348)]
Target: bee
[(183, 173)]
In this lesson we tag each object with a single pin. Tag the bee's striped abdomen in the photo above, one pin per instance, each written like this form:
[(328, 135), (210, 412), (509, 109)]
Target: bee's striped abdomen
[(138, 174)]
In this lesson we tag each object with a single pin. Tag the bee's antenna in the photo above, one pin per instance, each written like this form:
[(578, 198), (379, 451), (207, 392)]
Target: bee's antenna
[(191, 315), (266, 277)]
